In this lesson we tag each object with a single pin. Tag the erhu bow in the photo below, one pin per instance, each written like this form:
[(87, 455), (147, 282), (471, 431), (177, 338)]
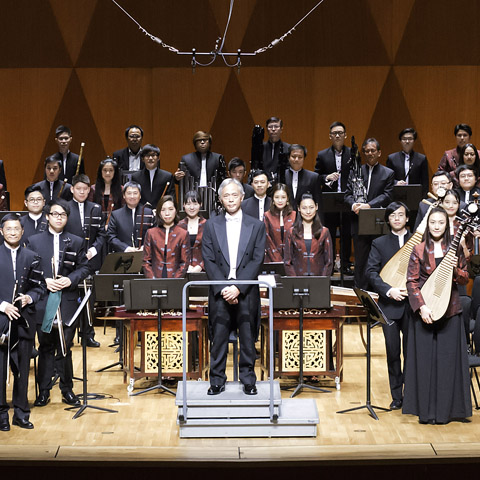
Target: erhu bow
[(79, 158), (58, 316)]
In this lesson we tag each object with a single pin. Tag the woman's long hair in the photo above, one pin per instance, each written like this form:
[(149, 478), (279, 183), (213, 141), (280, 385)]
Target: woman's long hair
[(476, 164), (317, 226), (427, 237), (115, 188), (281, 187)]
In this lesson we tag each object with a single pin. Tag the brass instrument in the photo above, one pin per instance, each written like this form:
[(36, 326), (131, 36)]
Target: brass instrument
[(79, 158), (394, 271), (437, 290), (358, 185), (58, 317)]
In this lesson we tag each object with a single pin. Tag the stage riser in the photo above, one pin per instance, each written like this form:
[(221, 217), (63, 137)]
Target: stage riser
[(229, 412), (248, 431)]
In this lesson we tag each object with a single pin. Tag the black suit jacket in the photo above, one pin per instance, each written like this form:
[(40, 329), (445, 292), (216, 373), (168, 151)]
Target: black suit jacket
[(71, 166), (418, 169), (251, 206), (193, 161), (461, 193), (271, 164), (326, 164), (121, 229), (249, 191), (382, 250), (307, 182), (72, 264), (57, 187), (3, 178), (93, 229), (29, 228), (123, 161), (30, 282), (160, 180)]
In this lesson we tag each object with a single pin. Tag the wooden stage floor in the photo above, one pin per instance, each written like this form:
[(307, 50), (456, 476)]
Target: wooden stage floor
[(145, 430)]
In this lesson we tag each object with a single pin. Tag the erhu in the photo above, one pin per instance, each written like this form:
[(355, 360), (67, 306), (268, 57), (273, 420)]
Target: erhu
[(58, 317)]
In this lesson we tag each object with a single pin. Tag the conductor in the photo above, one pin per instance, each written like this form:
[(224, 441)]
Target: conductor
[(233, 248)]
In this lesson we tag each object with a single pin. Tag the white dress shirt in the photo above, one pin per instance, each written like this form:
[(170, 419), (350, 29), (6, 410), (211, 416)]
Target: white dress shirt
[(234, 226)]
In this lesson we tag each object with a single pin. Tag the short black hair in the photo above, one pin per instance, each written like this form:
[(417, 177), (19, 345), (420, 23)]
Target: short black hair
[(127, 130), (461, 168), (338, 124), (62, 129), (53, 159), (132, 185), (408, 130), (149, 148), (259, 172), (439, 173), (236, 162), (297, 146), (274, 119), (60, 202), (395, 206), (371, 140), (463, 126), (9, 217), (31, 189), (80, 178)]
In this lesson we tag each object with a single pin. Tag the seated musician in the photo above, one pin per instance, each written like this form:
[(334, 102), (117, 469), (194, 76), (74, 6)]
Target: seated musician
[(193, 223), (278, 220), (308, 246), (166, 252), (467, 176), (129, 224)]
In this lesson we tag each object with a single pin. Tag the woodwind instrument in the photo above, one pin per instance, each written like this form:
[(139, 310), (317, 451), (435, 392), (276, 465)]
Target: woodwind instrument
[(437, 290), (61, 189), (394, 271), (10, 333), (61, 334), (79, 158)]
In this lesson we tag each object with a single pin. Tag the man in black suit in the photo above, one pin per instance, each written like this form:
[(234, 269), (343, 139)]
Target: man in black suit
[(128, 158), (52, 187), (378, 181), (233, 248), (64, 263), (274, 148), (393, 301), (237, 170), (22, 286), (128, 225), (409, 166), (299, 180), (86, 221), (68, 160), (3, 178), (467, 180), (257, 205), (35, 221), (333, 166), (154, 181), (202, 164)]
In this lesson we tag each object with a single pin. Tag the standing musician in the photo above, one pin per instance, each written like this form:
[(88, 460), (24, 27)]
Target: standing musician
[(35, 221), (22, 286), (129, 224), (308, 246), (233, 248), (257, 205), (278, 221), (193, 223), (437, 379), (237, 170), (52, 187), (378, 184), (450, 159), (64, 263), (128, 158), (166, 252), (154, 181), (392, 301)]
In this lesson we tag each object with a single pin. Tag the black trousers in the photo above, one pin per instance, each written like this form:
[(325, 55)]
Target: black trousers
[(224, 318), (332, 222), (20, 381), (48, 349), (362, 245)]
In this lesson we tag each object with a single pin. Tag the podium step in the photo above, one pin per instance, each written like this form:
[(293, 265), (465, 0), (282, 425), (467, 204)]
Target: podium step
[(234, 414)]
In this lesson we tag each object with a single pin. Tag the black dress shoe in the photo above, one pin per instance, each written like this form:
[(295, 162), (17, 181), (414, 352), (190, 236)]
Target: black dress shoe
[(22, 423), (396, 405), (91, 342), (250, 389), (71, 399), (4, 425), (42, 399), (215, 389)]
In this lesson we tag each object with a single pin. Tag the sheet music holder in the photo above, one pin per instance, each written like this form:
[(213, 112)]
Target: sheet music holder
[(410, 195), (197, 290), (273, 268), (371, 221), (302, 292), (375, 315), (155, 293), (333, 202), (122, 262)]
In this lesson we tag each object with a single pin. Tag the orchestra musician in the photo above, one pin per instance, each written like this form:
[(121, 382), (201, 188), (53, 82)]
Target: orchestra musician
[(392, 300), (467, 180), (64, 264), (52, 187), (193, 223), (237, 170), (233, 248), (437, 379), (166, 252), (257, 205), (274, 147), (308, 246), (35, 221), (278, 220), (450, 159), (22, 286), (128, 158)]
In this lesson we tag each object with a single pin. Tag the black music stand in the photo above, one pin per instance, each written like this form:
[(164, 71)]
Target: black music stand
[(86, 318), (374, 315), (410, 195), (295, 293), (371, 221), (333, 202), (273, 268), (109, 288), (154, 293), (122, 262)]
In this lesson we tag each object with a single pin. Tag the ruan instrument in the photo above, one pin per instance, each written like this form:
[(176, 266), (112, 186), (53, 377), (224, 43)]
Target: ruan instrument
[(58, 317), (437, 290), (79, 158), (394, 272)]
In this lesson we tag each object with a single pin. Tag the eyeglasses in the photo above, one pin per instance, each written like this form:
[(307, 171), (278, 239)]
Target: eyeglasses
[(35, 200), (150, 155), (58, 214), (466, 175), (337, 134)]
